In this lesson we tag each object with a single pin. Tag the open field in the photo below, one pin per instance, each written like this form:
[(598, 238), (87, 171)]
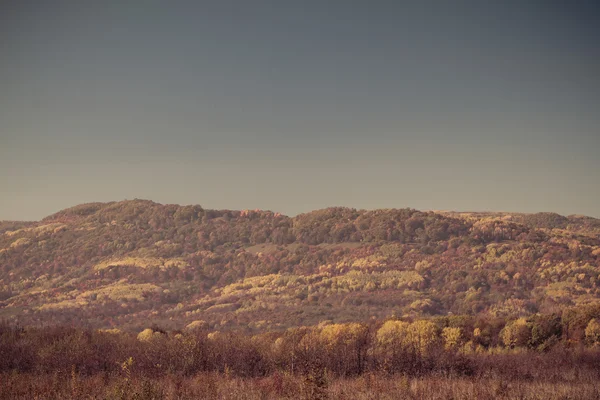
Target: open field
[(220, 387)]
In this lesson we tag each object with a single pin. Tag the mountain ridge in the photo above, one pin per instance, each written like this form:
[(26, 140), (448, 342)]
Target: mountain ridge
[(489, 213), (121, 264)]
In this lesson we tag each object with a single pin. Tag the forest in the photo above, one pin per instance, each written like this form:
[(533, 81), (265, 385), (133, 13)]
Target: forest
[(140, 300), (123, 264)]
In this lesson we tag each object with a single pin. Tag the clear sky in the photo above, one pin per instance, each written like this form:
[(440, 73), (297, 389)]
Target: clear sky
[(297, 105)]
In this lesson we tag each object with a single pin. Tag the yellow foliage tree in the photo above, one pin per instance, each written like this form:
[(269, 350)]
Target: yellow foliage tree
[(393, 334), (196, 326), (146, 335), (418, 336), (335, 334), (516, 333), (347, 344), (422, 336), (400, 344), (592, 332), (452, 337), (392, 344)]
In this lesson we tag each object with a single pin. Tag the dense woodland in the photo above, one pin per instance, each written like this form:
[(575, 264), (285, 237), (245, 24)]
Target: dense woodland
[(129, 264), (136, 299)]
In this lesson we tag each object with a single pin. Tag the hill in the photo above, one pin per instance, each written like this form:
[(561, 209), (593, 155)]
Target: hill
[(133, 263)]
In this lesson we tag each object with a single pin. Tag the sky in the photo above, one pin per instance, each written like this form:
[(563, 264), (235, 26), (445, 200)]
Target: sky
[(292, 106)]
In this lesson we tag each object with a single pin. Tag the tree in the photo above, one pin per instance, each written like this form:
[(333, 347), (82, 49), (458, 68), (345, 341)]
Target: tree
[(452, 337), (422, 336), (392, 346), (516, 333), (146, 335), (197, 325), (347, 344), (545, 329), (592, 332), (393, 335)]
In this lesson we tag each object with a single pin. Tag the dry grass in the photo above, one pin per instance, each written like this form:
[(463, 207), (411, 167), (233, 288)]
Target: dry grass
[(220, 387)]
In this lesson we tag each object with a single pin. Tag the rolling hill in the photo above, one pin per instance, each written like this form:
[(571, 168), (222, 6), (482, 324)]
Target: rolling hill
[(134, 263)]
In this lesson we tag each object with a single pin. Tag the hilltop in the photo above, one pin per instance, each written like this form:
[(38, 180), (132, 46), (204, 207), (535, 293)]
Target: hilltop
[(131, 263)]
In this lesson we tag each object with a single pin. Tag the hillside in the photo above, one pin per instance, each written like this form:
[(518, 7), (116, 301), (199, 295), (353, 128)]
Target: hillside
[(134, 263)]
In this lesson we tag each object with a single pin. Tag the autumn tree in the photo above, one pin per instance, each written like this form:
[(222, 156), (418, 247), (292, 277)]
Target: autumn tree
[(452, 337), (545, 330), (422, 336), (347, 346), (592, 332), (392, 349), (516, 333)]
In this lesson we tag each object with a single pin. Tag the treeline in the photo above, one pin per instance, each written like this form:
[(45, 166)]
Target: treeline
[(454, 345), (85, 234)]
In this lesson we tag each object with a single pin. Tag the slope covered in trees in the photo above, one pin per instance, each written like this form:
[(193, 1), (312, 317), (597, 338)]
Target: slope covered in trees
[(132, 263)]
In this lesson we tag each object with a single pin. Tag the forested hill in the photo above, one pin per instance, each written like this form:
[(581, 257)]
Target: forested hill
[(132, 263)]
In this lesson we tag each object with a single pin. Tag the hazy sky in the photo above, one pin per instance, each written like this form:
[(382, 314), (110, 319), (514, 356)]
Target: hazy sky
[(297, 105)]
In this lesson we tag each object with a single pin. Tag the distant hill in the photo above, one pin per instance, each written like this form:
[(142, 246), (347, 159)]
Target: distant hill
[(132, 263)]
